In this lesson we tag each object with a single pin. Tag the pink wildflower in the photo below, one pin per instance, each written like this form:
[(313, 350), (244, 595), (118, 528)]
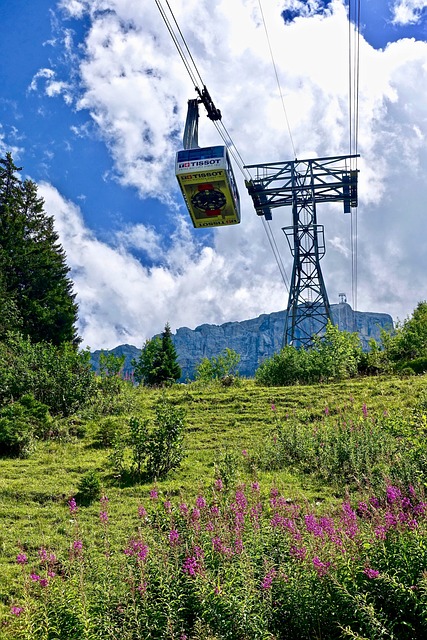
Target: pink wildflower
[(16, 611), (321, 567), (268, 579), (173, 538), (183, 508), (219, 484), (142, 512), (42, 554), (77, 545), (371, 573), (200, 502)]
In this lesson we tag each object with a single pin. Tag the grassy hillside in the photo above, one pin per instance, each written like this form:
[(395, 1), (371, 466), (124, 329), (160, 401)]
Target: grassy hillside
[(232, 431)]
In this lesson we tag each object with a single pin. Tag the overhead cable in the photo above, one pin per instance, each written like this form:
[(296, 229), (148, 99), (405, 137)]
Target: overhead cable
[(277, 79), (354, 77)]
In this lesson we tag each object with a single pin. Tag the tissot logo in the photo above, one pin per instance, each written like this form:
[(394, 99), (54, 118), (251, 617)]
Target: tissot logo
[(198, 163), (198, 176)]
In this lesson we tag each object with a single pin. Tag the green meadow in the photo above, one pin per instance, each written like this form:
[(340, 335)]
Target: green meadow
[(247, 538)]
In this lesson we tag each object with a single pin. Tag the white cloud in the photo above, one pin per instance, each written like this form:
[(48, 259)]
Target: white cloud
[(41, 73), (52, 87), (135, 89), (120, 300), (408, 11)]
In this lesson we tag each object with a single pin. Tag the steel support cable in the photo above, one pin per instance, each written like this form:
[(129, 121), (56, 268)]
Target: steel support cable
[(354, 65), (177, 44), (277, 79), (185, 42), (276, 253)]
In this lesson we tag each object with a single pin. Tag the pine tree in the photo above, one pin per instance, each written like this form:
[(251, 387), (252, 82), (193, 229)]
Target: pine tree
[(33, 263), (171, 369), (157, 363)]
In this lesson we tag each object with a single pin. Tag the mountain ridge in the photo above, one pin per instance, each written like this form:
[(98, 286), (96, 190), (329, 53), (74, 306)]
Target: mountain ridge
[(254, 340)]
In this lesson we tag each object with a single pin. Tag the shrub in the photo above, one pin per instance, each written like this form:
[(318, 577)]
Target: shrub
[(165, 444), (153, 451), (418, 365), (89, 487), (334, 356), (21, 423), (222, 367), (108, 431), (59, 377), (287, 367), (110, 368)]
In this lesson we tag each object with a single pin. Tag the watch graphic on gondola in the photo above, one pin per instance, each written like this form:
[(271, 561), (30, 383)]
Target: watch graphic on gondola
[(209, 199)]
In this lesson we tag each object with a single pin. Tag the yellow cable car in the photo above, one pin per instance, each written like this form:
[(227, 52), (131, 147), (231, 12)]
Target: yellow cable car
[(208, 185)]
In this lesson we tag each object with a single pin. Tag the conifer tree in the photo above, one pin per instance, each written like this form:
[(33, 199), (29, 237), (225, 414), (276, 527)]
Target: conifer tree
[(157, 363), (171, 369), (33, 263)]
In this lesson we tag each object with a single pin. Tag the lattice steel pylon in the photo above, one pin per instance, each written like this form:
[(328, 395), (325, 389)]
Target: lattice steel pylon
[(303, 184)]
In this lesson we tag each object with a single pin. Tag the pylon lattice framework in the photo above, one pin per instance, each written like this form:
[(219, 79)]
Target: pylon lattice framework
[(303, 184)]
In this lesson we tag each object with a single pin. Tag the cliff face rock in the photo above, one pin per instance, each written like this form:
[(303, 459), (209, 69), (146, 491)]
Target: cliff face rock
[(255, 340), (259, 338)]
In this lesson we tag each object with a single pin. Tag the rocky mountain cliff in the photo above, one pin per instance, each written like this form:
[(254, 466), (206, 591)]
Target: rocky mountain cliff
[(255, 340)]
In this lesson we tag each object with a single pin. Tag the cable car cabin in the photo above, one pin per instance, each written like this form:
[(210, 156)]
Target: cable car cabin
[(208, 185)]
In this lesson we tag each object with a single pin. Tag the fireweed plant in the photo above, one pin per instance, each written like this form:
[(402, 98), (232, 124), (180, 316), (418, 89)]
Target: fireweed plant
[(233, 564), (347, 447)]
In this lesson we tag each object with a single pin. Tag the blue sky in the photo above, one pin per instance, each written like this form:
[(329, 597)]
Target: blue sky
[(93, 102)]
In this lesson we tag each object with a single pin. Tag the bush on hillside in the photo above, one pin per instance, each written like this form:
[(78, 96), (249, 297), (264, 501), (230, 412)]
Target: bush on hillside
[(150, 450), (21, 424), (334, 356), (222, 367), (59, 377)]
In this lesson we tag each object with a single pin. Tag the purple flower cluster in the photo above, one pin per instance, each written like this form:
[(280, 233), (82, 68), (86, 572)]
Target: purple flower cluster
[(268, 579), (136, 548), (371, 573)]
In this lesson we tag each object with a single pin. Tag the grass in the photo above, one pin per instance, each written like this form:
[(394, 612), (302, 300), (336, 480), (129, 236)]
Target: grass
[(220, 421)]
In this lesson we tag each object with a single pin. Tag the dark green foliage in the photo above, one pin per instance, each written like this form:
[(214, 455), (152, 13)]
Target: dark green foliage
[(157, 365), (139, 443), (221, 367), (289, 366), (403, 350), (107, 432), (335, 356), (89, 488), (35, 290), (21, 423), (9, 314), (110, 368), (59, 376), (410, 339), (165, 445), (154, 451)]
